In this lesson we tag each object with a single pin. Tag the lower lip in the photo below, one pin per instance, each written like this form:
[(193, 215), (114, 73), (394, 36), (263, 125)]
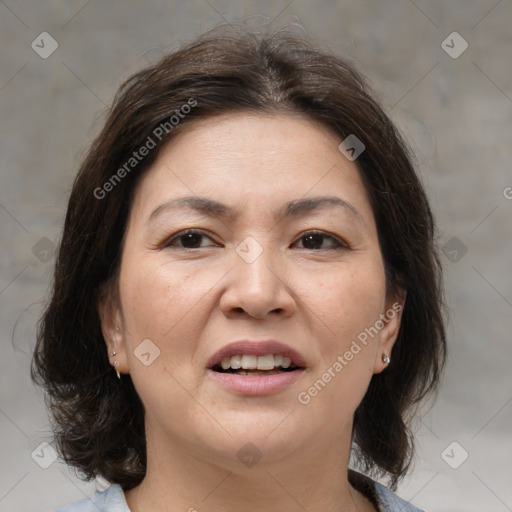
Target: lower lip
[(257, 384)]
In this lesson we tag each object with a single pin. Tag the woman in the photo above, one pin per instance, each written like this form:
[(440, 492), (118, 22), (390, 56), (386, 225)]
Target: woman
[(247, 293)]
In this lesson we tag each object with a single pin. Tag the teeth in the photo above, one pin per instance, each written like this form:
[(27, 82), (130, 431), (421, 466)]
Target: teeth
[(251, 362), (256, 373), (236, 362), (265, 362)]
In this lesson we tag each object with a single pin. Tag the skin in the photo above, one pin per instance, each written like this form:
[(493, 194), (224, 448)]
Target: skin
[(190, 300)]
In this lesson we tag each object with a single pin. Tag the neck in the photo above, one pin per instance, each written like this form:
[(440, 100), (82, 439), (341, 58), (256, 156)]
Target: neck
[(184, 478)]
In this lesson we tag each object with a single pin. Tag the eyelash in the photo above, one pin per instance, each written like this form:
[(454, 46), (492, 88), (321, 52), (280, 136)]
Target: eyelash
[(169, 243)]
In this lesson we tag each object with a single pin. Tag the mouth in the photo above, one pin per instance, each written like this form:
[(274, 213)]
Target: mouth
[(256, 367), (253, 365)]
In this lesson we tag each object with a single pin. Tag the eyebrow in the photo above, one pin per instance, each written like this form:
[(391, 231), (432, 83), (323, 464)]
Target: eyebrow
[(293, 208)]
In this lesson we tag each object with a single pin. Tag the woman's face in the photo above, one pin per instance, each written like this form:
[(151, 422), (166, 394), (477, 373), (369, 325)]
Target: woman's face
[(251, 270)]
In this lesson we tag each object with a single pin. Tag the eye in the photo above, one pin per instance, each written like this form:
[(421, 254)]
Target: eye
[(314, 240), (189, 238)]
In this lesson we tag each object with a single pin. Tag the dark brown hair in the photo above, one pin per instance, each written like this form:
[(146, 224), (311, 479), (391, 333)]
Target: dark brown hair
[(98, 420)]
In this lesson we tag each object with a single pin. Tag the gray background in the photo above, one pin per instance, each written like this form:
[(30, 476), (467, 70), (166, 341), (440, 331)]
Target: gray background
[(456, 113)]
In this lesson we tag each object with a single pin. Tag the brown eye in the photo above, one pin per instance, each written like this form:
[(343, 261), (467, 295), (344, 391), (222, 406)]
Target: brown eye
[(188, 239), (314, 240)]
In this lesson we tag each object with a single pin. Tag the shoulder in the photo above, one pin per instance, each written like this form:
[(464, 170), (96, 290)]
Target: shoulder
[(113, 500), (385, 499), (389, 501), (110, 500)]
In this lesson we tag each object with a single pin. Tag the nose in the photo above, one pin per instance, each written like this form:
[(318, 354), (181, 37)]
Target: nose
[(257, 287)]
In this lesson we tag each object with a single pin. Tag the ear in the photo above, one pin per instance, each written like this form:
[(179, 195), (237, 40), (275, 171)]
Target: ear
[(112, 327), (392, 318)]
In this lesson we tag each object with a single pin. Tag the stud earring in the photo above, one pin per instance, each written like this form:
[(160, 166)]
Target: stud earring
[(386, 359)]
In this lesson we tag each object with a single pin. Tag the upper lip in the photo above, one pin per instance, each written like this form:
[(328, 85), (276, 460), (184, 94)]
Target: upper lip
[(256, 348)]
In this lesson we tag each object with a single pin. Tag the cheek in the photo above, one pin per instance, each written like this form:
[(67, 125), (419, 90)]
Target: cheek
[(161, 303), (348, 301), (166, 303), (345, 304), (156, 296)]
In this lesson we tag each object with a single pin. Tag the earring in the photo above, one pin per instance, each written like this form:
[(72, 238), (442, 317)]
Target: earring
[(386, 359), (115, 365), (117, 371)]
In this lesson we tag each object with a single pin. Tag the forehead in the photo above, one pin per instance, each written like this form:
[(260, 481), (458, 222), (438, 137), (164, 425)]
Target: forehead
[(252, 161)]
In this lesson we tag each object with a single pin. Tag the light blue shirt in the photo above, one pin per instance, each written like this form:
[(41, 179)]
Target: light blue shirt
[(113, 500)]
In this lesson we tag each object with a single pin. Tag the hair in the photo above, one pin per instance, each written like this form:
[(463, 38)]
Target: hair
[(98, 420)]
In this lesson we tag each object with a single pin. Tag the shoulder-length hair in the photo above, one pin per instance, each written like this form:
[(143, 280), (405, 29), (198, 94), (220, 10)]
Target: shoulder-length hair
[(99, 421)]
